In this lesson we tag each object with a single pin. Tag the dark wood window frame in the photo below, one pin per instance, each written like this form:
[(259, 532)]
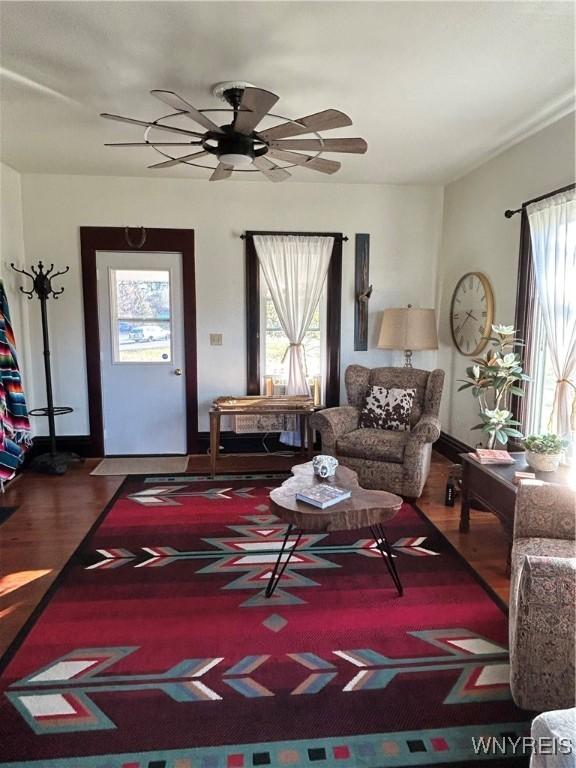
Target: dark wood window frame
[(526, 295), (333, 314), (94, 239)]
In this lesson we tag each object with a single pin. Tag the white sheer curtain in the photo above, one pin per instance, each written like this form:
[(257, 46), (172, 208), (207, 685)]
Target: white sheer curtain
[(553, 234), (294, 268)]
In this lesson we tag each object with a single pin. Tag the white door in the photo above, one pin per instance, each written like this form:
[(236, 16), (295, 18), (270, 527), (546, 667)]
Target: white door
[(140, 315)]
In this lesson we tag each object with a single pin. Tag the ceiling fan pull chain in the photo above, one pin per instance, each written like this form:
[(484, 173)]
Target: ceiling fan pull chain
[(132, 243)]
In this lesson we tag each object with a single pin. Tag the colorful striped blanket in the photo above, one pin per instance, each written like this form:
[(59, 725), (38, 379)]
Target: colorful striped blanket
[(14, 423)]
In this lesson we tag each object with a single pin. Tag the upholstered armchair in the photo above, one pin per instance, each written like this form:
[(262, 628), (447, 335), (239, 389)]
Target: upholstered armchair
[(384, 459), (543, 598)]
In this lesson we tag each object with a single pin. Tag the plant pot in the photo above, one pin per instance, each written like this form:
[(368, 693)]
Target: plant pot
[(543, 462)]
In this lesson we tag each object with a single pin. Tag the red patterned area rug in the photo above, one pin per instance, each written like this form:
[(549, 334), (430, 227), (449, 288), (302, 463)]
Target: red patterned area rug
[(157, 647)]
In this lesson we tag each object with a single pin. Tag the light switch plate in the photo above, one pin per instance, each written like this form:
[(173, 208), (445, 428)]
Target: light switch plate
[(215, 339)]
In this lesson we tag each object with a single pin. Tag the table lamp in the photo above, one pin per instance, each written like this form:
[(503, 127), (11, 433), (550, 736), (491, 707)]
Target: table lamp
[(408, 329)]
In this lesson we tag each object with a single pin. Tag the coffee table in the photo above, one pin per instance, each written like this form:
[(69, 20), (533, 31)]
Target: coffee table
[(364, 509)]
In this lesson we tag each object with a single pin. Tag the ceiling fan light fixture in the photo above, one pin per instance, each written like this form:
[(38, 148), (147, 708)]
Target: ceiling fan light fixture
[(235, 159)]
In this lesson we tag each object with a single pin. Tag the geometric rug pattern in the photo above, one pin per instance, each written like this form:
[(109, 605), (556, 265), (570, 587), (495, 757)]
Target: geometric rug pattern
[(158, 648)]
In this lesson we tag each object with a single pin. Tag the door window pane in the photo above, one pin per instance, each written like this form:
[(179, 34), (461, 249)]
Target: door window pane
[(141, 316)]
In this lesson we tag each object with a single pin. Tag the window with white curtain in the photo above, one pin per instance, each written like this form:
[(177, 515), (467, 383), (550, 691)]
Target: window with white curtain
[(546, 312), (540, 395), (274, 343)]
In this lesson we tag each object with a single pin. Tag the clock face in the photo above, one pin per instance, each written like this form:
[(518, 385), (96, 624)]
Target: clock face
[(472, 313)]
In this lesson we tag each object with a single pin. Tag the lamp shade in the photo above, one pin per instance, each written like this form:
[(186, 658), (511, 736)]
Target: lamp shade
[(408, 328)]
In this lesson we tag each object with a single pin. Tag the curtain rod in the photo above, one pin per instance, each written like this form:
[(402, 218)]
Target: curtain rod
[(335, 235), (509, 213)]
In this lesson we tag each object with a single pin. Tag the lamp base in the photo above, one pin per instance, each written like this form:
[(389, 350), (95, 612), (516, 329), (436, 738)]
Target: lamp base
[(407, 358)]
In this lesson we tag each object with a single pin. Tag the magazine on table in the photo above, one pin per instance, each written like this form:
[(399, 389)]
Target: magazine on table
[(323, 495), (488, 456)]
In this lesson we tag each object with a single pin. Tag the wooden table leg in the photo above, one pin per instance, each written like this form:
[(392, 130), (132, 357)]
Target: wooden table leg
[(214, 441), (310, 438), (465, 511), (302, 434)]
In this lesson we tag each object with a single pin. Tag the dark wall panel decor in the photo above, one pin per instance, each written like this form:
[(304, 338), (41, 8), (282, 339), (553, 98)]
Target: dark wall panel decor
[(362, 291)]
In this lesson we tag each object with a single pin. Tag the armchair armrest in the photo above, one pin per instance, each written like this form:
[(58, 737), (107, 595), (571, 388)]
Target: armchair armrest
[(542, 652), (427, 430), (545, 511), (332, 423)]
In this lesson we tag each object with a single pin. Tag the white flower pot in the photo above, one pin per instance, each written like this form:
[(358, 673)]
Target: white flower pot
[(543, 462)]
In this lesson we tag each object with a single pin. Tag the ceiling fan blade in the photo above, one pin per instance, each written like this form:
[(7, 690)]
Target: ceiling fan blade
[(222, 172), (355, 146), (255, 104), (321, 121), (315, 163), (155, 144), (177, 102), (177, 160), (271, 171), (132, 121)]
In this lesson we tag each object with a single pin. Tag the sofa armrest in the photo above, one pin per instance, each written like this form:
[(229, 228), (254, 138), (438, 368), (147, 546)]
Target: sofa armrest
[(542, 652), (427, 429), (332, 423), (545, 511)]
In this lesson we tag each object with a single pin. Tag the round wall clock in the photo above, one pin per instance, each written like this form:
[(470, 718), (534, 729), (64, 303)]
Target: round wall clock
[(472, 313)]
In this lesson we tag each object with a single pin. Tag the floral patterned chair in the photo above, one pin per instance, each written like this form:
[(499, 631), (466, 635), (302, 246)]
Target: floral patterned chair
[(543, 598), (384, 459)]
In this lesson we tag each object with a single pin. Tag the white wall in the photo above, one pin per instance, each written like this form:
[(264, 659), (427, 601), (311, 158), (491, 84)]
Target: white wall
[(12, 250), (477, 237), (404, 224)]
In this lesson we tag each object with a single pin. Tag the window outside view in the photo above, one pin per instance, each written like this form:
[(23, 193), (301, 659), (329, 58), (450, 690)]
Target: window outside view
[(141, 316), (275, 346)]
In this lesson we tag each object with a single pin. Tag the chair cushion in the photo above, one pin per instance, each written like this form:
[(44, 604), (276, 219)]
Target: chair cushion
[(374, 444), (388, 408), (359, 380)]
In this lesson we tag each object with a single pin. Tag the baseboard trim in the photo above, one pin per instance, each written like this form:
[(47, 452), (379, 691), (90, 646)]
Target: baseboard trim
[(80, 444), (249, 442), (450, 447), (231, 442)]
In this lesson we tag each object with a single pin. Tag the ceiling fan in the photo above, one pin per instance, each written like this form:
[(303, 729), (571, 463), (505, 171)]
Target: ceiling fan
[(238, 146)]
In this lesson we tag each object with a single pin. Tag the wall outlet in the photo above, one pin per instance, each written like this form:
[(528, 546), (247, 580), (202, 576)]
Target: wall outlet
[(215, 339)]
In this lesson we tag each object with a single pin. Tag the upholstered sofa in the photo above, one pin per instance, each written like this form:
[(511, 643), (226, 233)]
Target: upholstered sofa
[(543, 598), (396, 461)]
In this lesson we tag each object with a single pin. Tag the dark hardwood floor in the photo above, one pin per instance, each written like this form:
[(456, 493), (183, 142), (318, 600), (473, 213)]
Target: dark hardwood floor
[(55, 513)]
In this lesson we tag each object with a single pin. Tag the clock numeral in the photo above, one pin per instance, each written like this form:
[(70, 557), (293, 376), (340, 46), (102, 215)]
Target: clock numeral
[(481, 329), (456, 315), (484, 314), (483, 298), (457, 330)]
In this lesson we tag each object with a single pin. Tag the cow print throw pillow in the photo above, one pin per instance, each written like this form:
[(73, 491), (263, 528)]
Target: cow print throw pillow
[(388, 409)]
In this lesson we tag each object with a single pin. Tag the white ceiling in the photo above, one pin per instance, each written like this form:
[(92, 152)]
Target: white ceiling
[(434, 87)]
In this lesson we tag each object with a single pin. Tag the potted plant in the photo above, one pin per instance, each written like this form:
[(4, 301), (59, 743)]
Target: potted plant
[(493, 379), (543, 452)]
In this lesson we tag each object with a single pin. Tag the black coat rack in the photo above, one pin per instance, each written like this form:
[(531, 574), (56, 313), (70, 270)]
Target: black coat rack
[(54, 462)]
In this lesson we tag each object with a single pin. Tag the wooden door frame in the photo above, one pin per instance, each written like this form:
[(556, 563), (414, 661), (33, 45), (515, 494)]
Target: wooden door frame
[(94, 239)]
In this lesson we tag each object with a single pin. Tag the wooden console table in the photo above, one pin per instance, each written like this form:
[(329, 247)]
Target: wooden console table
[(302, 407), (493, 486)]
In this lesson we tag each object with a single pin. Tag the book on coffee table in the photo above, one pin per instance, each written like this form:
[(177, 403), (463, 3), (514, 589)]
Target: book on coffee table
[(488, 456), (323, 496)]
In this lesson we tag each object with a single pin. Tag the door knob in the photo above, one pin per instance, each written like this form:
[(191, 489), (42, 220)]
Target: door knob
[(177, 371)]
